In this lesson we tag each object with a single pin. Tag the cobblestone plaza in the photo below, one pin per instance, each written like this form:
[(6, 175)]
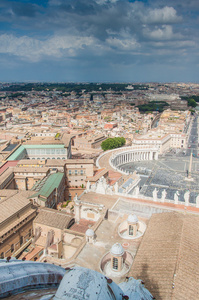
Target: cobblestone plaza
[(169, 173)]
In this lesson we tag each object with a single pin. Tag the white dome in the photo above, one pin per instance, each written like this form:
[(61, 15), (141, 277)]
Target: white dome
[(90, 232), (132, 219), (82, 283), (117, 249)]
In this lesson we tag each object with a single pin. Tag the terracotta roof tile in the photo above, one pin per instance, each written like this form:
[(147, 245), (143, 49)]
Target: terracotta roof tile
[(167, 259)]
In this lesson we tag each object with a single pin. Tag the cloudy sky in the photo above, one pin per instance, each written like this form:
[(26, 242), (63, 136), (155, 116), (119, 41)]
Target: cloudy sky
[(99, 40)]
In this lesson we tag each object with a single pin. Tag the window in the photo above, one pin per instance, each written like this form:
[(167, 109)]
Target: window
[(82, 172), (130, 230), (75, 172), (21, 240), (69, 172), (115, 263), (2, 255), (12, 248)]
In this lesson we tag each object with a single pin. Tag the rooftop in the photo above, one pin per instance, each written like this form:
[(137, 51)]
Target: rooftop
[(53, 218), (12, 205), (51, 182), (164, 260)]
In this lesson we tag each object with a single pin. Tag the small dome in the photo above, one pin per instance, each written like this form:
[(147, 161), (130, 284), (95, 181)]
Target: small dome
[(132, 219), (90, 232), (117, 249)]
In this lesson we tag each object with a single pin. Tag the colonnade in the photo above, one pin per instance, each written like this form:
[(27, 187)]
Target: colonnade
[(133, 155)]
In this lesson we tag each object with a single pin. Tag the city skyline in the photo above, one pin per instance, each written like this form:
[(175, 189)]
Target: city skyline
[(99, 41)]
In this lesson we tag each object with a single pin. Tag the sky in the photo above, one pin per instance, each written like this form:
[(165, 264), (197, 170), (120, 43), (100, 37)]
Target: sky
[(99, 41)]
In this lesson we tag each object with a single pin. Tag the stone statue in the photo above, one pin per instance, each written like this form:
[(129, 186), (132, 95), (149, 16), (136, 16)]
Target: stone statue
[(197, 201), (155, 193), (88, 186), (100, 188), (186, 197), (109, 190), (76, 198), (116, 187), (93, 187), (105, 185), (176, 195), (136, 191), (164, 193)]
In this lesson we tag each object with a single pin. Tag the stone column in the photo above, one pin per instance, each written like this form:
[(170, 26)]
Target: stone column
[(156, 155), (150, 155)]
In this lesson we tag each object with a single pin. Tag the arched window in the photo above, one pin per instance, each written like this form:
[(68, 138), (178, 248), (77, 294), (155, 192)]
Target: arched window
[(115, 263)]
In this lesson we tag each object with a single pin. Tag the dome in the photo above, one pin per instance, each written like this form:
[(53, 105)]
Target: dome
[(17, 276), (135, 290), (117, 249), (90, 232), (83, 283), (132, 219)]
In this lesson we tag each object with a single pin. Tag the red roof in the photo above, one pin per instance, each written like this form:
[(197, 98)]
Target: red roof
[(11, 163), (82, 226)]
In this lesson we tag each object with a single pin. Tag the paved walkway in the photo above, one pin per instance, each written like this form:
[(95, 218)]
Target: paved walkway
[(104, 161)]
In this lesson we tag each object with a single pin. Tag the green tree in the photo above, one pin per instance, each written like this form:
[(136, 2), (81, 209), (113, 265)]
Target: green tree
[(112, 143), (192, 103)]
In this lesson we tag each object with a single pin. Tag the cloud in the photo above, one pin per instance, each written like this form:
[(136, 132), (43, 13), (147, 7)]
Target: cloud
[(165, 15), (102, 2), (122, 44), (163, 33), (98, 32), (34, 50)]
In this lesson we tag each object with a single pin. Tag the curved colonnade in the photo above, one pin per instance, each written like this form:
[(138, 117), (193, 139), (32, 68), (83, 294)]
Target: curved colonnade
[(132, 154)]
